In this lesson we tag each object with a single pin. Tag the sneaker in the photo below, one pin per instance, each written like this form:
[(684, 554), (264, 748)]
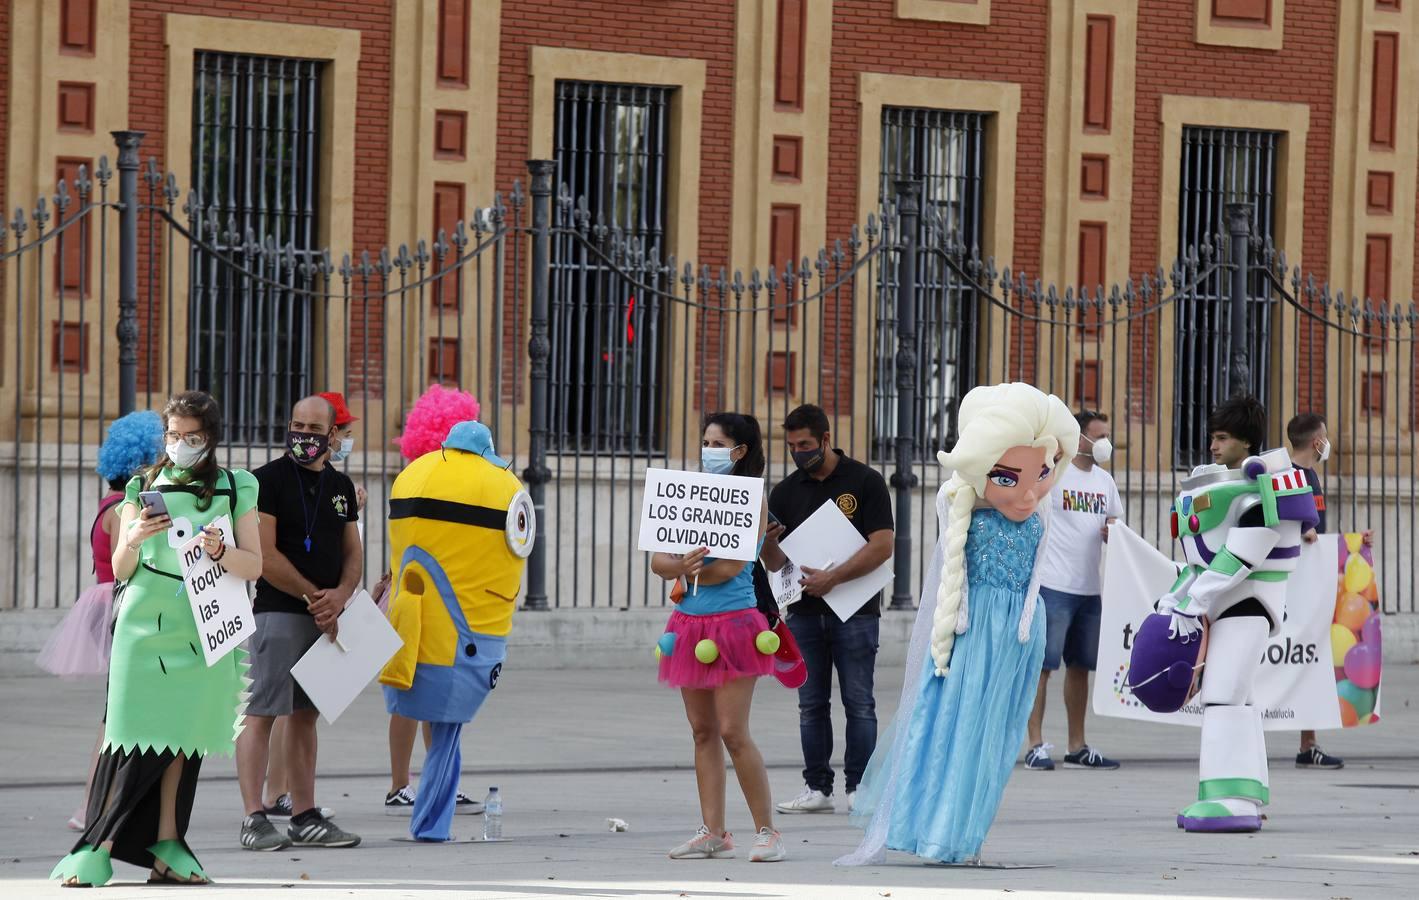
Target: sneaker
[(1038, 758), (1087, 757), (78, 821), (705, 846), (1314, 757), (464, 805), (810, 801), (257, 833), (768, 846), (851, 801), (320, 832), (400, 802), (281, 809)]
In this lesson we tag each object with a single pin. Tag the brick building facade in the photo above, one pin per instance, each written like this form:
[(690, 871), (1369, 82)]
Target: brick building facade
[(774, 121)]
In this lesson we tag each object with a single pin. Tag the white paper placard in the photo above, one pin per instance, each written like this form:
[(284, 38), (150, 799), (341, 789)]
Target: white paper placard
[(784, 582), (1295, 684), (826, 539), (221, 606), (684, 511), (332, 677)]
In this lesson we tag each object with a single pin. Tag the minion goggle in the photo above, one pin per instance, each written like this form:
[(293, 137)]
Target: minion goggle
[(518, 522)]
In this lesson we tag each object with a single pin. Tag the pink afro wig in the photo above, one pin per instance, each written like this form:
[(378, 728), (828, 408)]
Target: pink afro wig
[(428, 423)]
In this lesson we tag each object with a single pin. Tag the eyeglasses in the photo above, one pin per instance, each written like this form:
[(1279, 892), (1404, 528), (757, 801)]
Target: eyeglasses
[(195, 440)]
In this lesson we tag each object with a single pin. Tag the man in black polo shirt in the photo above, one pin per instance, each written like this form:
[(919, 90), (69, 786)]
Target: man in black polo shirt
[(827, 475), (312, 563)]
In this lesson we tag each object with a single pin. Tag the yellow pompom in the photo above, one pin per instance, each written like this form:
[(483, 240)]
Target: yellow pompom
[(706, 651)]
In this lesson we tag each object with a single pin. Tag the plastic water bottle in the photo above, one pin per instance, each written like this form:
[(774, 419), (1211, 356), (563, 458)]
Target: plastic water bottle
[(493, 815)]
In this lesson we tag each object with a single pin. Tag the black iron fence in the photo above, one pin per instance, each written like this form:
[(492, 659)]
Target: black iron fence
[(595, 351)]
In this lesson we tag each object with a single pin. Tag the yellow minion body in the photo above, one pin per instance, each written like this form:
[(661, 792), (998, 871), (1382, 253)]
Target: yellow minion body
[(458, 526)]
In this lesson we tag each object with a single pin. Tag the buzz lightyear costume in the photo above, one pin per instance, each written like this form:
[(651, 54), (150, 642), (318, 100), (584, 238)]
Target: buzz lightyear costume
[(1241, 534)]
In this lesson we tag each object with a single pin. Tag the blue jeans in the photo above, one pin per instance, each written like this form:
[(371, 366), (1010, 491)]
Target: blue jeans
[(1071, 629), (851, 647)]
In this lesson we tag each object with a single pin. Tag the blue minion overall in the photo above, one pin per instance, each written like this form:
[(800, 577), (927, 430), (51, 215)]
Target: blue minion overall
[(461, 528)]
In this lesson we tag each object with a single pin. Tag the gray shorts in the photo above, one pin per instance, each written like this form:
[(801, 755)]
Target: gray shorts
[(280, 641)]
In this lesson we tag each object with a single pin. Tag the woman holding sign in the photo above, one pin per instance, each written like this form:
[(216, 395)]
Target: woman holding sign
[(166, 707), (714, 649), (934, 784)]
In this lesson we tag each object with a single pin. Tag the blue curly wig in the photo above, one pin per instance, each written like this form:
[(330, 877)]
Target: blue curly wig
[(134, 442)]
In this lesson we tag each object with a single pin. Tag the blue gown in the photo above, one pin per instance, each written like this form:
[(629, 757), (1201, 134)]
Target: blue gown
[(960, 745)]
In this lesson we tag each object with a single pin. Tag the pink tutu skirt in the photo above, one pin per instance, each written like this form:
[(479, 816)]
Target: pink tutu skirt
[(736, 653), (80, 644)]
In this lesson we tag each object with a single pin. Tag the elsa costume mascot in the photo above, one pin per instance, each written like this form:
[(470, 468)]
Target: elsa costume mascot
[(935, 781)]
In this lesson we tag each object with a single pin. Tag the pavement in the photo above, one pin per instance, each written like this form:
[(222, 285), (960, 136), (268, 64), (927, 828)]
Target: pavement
[(571, 748)]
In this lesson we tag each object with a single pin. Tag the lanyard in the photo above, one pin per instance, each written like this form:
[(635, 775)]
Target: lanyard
[(307, 519)]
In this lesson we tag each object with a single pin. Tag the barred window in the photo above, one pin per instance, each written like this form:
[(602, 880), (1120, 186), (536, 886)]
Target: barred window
[(1219, 166), (255, 143), (945, 151), (612, 149)]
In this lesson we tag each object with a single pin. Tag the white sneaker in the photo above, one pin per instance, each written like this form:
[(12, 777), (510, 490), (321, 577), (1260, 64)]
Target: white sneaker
[(705, 846), (851, 801), (810, 801), (768, 846)]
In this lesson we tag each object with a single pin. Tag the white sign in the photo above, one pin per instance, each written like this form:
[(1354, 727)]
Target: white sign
[(221, 605), (331, 677), (1295, 687), (684, 511), (826, 539), (785, 584)]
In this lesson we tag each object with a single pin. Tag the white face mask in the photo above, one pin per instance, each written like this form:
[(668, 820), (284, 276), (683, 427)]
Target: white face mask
[(347, 446), (1101, 450), (1324, 451), (185, 457)]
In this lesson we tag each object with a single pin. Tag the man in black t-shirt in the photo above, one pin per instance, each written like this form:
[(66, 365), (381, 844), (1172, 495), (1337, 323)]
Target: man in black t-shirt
[(827, 475), (311, 564)]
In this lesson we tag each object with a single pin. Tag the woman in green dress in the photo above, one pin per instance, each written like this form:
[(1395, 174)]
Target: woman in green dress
[(167, 708)]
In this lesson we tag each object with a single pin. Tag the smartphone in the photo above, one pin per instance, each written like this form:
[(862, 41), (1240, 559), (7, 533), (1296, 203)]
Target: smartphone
[(154, 503)]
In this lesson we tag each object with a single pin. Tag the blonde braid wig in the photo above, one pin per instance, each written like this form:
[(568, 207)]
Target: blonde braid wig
[(992, 420)]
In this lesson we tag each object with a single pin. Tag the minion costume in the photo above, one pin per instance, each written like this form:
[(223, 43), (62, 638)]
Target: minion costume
[(1241, 533), (461, 528)]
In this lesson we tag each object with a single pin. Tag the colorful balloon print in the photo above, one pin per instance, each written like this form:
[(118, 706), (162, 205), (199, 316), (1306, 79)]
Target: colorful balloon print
[(1370, 632), (1361, 699), (1351, 611), (1358, 574), (1348, 717), (1362, 665), (1341, 640)]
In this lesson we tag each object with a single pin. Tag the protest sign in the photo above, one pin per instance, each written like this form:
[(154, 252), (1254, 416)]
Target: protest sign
[(220, 603), (333, 677), (826, 539), (1295, 687), (684, 511), (784, 583)]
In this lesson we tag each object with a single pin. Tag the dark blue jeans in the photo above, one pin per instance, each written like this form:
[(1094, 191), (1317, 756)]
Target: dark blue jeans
[(851, 648)]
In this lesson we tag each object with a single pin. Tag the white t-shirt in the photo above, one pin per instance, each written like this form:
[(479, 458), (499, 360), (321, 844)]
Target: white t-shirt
[(1082, 502)]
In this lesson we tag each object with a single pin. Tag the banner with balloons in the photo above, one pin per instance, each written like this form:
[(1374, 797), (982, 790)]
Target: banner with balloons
[(1355, 633), (1305, 665)]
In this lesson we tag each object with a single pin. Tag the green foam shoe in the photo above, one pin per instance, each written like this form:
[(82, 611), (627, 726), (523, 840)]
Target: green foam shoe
[(1216, 817), (181, 864), (88, 866)]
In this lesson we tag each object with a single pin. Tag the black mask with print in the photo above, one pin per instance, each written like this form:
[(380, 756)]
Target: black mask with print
[(306, 448), (809, 460)]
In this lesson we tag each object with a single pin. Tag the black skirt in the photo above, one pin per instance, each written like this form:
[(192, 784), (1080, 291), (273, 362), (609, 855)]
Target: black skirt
[(125, 802)]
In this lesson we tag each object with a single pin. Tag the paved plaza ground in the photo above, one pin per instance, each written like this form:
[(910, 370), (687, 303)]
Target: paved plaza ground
[(571, 748)]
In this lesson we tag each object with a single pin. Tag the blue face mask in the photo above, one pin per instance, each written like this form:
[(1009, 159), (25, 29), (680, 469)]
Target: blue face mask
[(342, 452), (716, 460)]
